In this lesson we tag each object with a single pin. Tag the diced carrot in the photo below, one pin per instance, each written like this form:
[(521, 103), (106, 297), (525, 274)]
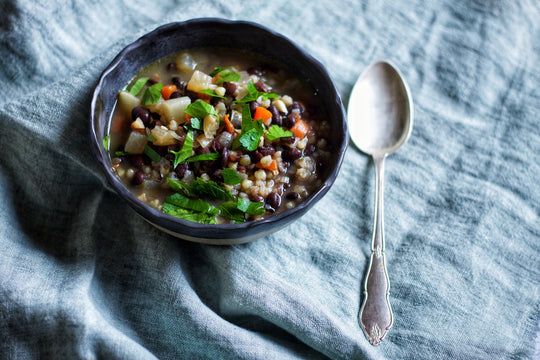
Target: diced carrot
[(167, 91), (262, 113), (271, 167), (228, 125), (301, 128), (188, 118)]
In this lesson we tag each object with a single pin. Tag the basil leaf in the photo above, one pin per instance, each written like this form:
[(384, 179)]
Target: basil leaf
[(204, 157), (276, 132), (228, 76), (137, 87), (230, 210), (191, 204), (210, 189), (199, 109), (186, 150), (250, 207), (181, 187), (151, 153), (212, 93), (217, 70), (152, 94), (189, 215), (231, 177), (106, 141)]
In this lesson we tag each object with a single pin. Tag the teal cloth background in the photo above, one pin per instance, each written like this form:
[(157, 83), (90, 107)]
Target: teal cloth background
[(83, 277)]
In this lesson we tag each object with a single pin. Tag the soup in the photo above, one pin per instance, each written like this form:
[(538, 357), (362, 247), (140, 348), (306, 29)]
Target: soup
[(218, 136)]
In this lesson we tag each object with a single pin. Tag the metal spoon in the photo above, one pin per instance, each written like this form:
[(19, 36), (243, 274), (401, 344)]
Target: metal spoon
[(380, 117)]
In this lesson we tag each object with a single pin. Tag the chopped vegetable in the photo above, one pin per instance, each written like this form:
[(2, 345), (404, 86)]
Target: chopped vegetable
[(167, 91), (276, 132), (271, 166), (262, 114), (151, 153), (152, 94), (300, 128), (228, 125), (203, 157)]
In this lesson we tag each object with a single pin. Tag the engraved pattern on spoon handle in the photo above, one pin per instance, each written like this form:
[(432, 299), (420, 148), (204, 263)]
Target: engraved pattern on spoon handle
[(376, 314)]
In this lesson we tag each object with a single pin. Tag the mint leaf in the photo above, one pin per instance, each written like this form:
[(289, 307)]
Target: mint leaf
[(276, 132), (231, 177), (196, 124), (210, 189), (151, 153), (137, 87), (191, 204), (217, 70), (152, 94), (250, 207), (189, 215), (251, 131), (250, 140), (212, 93), (199, 109), (106, 141), (204, 157), (186, 150), (230, 210), (228, 76), (181, 187)]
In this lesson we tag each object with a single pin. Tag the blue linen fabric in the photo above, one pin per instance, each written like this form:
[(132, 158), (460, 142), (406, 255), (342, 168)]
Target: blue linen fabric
[(83, 277)]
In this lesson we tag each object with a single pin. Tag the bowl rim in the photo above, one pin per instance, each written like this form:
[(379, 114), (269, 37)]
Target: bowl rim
[(169, 222)]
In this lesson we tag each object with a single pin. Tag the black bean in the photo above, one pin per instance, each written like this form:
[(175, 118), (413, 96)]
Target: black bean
[(138, 178), (267, 150), (260, 87), (255, 156), (230, 88), (171, 66), (180, 170), (217, 176), (254, 71), (142, 113), (287, 140), (273, 201), (298, 107), (253, 106), (175, 95), (224, 158), (293, 195), (136, 160), (152, 81), (215, 100), (310, 149), (290, 120), (180, 85), (257, 198), (291, 154), (276, 116)]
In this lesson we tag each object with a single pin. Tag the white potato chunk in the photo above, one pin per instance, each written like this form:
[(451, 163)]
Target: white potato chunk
[(164, 136), (126, 102), (184, 62), (200, 81), (173, 109), (136, 142), (210, 125)]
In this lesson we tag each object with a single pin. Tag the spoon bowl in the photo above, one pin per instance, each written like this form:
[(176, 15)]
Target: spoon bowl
[(380, 116)]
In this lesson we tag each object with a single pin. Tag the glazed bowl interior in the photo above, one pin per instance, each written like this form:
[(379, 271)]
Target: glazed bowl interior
[(207, 33)]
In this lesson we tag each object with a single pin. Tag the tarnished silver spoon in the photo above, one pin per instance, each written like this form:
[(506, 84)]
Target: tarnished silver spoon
[(380, 117)]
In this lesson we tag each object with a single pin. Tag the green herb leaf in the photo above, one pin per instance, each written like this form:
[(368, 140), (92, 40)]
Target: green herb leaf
[(106, 141), (196, 124), (199, 109), (253, 94), (230, 177), (210, 189), (151, 138), (204, 157), (230, 210), (228, 76), (251, 131), (276, 132), (212, 93), (250, 207), (151, 153), (186, 150), (121, 153), (217, 70), (250, 140), (181, 187), (152, 94), (189, 215), (191, 204), (137, 87)]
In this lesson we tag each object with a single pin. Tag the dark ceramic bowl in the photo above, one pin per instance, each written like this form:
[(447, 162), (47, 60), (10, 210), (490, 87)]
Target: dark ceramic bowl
[(197, 33)]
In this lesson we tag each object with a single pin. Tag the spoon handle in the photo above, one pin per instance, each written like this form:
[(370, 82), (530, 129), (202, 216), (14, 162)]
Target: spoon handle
[(376, 314)]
